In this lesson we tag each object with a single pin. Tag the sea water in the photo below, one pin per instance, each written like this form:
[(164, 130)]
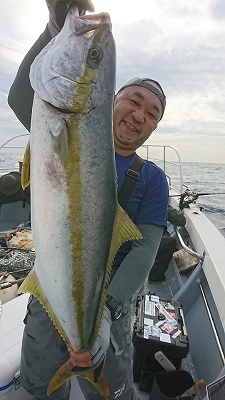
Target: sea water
[(208, 178), (199, 177)]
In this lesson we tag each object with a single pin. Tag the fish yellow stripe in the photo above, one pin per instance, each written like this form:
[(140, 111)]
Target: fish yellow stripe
[(75, 193)]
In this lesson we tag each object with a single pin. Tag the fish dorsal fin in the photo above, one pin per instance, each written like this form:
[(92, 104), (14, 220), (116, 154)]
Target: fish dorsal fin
[(124, 230), (25, 178), (32, 285)]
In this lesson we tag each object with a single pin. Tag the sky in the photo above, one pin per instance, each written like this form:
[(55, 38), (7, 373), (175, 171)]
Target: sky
[(180, 43)]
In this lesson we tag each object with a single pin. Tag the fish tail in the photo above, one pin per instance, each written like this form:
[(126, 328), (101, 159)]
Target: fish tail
[(66, 372)]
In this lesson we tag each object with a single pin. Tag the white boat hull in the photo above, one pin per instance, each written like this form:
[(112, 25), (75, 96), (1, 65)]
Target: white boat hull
[(11, 332)]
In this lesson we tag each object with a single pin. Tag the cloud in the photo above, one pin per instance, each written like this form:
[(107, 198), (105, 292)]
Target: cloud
[(217, 9), (180, 44)]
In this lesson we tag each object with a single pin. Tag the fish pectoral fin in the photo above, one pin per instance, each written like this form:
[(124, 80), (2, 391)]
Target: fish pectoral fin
[(59, 137), (25, 178), (32, 285), (67, 371)]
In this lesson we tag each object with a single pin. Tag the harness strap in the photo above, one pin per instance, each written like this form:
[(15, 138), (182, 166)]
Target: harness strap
[(132, 176)]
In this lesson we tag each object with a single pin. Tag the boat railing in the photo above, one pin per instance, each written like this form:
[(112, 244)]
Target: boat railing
[(11, 153), (188, 249), (168, 158)]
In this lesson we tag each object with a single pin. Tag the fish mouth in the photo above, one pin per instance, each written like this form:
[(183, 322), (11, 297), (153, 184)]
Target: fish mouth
[(58, 109), (87, 25), (65, 111)]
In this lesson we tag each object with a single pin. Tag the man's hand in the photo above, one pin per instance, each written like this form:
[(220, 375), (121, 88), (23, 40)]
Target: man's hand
[(58, 10), (97, 353)]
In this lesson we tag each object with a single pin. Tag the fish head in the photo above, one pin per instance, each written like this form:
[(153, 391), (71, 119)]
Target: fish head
[(76, 70)]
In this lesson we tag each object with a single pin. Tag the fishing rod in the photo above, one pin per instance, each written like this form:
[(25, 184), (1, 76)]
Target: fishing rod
[(198, 194), (209, 194), (190, 196)]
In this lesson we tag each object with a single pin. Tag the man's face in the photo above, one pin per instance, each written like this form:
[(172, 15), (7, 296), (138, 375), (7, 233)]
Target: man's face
[(137, 112)]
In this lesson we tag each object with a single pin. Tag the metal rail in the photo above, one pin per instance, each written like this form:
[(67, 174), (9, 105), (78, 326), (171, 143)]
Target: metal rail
[(186, 248), (164, 159), (4, 145), (218, 341), (16, 144)]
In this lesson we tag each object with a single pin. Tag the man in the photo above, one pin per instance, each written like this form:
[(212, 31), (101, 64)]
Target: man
[(139, 106), (167, 247)]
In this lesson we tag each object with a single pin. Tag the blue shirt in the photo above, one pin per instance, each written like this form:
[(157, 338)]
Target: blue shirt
[(148, 202)]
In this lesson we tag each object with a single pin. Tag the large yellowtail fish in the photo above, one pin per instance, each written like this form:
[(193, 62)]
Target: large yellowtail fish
[(77, 223)]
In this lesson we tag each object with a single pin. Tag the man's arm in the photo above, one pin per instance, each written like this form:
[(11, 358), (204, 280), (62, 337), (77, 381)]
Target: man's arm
[(21, 94), (176, 217), (136, 266)]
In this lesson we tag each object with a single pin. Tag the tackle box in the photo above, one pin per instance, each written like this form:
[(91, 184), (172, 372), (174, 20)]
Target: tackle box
[(159, 327)]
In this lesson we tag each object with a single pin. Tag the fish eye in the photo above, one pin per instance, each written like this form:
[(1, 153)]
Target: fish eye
[(94, 57), (94, 53)]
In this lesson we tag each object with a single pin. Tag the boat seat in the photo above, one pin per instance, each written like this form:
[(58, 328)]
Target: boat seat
[(14, 202), (13, 214)]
